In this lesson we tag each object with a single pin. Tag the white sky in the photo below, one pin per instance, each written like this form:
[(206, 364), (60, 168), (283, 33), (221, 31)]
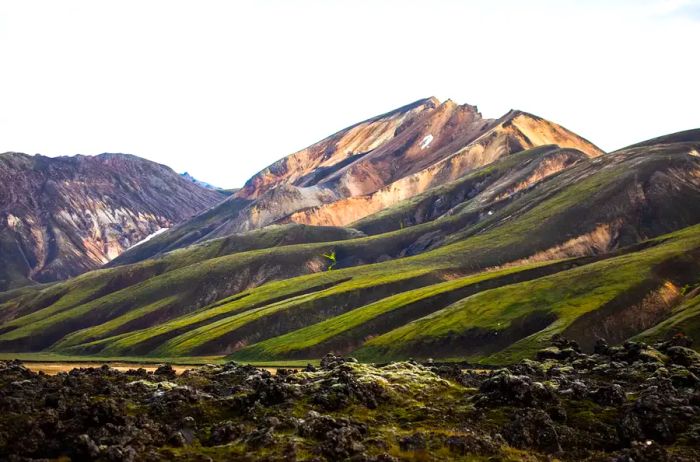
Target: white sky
[(222, 88)]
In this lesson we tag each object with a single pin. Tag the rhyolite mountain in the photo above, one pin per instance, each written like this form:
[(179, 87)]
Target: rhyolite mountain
[(426, 232), (367, 167), (62, 216)]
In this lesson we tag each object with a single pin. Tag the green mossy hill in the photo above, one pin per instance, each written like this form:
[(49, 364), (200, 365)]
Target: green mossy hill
[(268, 237), (513, 255), (631, 292)]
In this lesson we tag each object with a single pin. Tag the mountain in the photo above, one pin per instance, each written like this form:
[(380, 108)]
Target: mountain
[(486, 267), (203, 184), (63, 216), (367, 167)]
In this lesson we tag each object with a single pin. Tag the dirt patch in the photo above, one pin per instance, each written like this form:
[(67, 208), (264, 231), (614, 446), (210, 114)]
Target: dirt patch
[(627, 315), (52, 368), (601, 240)]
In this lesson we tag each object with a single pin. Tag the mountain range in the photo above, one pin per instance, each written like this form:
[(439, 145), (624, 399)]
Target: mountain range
[(425, 232)]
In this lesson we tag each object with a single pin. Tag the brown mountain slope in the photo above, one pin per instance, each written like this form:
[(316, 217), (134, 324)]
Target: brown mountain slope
[(367, 167), (62, 216), (515, 132), (314, 163)]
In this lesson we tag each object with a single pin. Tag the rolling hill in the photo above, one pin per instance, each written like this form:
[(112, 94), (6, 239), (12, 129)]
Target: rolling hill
[(486, 263)]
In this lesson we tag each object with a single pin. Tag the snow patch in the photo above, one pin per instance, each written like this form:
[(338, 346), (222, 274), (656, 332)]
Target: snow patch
[(13, 221), (694, 152), (149, 237), (426, 141)]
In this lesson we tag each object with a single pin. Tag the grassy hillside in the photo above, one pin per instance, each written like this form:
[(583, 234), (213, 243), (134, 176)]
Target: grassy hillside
[(487, 268), (486, 324)]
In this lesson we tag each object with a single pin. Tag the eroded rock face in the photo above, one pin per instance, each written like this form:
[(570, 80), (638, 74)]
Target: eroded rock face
[(465, 151), (63, 216), (322, 160), (365, 169), (376, 164)]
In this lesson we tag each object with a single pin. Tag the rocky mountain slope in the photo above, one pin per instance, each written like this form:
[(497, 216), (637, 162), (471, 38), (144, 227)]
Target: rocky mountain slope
[(367, 167), (487, 267), (62, 216)]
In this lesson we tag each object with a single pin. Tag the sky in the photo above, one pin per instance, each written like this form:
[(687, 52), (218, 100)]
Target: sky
[(222, 89)]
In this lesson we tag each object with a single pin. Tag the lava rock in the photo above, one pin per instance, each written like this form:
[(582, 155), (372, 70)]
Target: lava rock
[(166, 371), (608, 395), (683, 356), (505, 388), (533, 428)]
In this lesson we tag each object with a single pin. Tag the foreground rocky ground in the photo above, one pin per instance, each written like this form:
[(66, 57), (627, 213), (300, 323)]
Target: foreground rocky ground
[(630, 403)]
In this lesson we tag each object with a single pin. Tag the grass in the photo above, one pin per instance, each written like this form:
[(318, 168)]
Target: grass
[(48, 357), (567, 295), (298, 341), (684, 319), (263, 300)]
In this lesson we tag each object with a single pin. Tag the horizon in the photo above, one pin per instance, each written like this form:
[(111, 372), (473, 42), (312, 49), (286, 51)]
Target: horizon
[(216, 95)]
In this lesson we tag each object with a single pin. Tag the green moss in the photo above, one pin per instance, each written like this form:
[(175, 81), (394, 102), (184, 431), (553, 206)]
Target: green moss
[(111, 312), (566, 295), (299, 340)]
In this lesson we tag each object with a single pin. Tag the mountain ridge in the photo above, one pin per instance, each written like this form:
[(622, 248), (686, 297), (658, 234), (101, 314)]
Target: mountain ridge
[(530, 221), (61, 216), (444, 235), (346, 169)]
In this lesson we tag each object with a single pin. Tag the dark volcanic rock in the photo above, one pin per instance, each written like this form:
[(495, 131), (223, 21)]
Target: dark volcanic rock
[(505, 388), (533, 428), (612, 405)]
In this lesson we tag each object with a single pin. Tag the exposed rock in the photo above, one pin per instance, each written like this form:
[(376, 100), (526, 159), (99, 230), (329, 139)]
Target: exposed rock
[(609, 395), (683, 356), (377, 163), (505, 388), (580, 408), (62, 216), (165, 370), (533, 428)]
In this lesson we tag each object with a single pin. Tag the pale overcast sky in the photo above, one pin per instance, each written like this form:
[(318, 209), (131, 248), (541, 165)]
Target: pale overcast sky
[(222, 88)]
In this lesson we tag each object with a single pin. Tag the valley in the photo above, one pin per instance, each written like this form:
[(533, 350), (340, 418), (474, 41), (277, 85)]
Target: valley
[(427, 261)]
